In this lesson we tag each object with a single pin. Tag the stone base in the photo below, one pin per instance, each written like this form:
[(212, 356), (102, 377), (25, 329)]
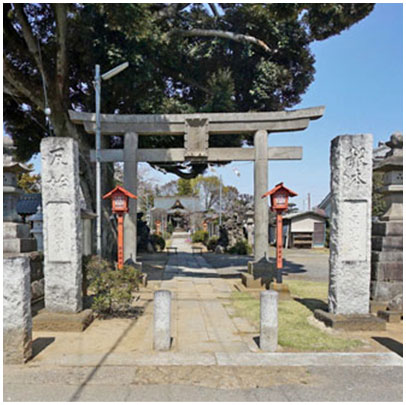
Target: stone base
[(19, 245), (262, 283), (17, 346), (375, 306), (353, 322), (385, 290), (62, 322), (391, 316), (255, 283), (15, 230)]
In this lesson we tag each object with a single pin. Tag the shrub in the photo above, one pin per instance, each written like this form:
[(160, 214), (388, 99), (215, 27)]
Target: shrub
[(200, 236), (158, 241), (170, 228), (241, 248), (212, 243), (112, 288)]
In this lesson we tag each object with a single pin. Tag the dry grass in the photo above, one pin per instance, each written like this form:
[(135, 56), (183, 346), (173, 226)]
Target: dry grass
[(294, 330)]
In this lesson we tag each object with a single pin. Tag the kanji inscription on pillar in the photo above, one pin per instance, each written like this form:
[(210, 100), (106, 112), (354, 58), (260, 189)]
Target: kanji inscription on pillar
[(62, 224), (350, 233)]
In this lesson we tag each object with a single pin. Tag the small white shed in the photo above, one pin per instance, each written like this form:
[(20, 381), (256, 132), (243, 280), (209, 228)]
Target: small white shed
[(305, 229)]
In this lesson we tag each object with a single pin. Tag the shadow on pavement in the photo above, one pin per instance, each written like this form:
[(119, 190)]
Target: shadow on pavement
[(39, 344), (391, 344)]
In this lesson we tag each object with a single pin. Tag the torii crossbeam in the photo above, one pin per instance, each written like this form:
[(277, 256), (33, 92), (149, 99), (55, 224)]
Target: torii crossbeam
[(196, 128)]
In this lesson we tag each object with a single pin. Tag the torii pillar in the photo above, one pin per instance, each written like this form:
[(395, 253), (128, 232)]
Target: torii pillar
[(261, 213), (130, 184)]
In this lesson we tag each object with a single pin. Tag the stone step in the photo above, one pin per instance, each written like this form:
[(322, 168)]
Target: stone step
[(19, 245), (387, 271), (391, 316), (385, 243), (392, 228), (385, 290), (13, 230), (388, 256)]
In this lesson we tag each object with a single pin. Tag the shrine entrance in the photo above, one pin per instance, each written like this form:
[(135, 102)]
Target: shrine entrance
[(196, 129)]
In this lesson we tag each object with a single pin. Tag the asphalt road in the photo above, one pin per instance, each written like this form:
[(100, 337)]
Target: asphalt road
[(117, 383), (304, 264)]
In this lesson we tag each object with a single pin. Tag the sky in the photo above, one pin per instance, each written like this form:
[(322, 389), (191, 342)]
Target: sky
[(359, 79)]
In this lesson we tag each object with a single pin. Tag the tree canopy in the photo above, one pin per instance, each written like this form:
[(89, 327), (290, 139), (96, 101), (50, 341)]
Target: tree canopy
[(184, 57)]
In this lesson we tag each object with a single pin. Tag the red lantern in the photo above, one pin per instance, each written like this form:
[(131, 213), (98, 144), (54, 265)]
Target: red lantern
[(119, 203), (279, 197)]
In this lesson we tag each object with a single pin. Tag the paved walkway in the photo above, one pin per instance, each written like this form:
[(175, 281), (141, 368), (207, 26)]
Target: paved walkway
[(201, 317)]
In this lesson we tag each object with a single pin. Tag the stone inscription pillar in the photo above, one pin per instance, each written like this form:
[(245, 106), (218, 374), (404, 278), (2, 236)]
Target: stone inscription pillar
[(260, 188), (350, 237), (17, 320), (62, 225), (130, 184)]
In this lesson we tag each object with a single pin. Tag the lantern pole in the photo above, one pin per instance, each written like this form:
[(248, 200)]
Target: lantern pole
[(279, 238), (120, 240)]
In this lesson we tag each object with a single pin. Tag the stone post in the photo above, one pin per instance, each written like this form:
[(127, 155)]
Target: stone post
[(268, 340), (350, 237), (162, 320), (17, 320), (130, 184), (62, 225), (260, 188)]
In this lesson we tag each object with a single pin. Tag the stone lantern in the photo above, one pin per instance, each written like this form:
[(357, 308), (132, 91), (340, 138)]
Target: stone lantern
[(11, 192), (16, 235), (387, 232), (37, 221)]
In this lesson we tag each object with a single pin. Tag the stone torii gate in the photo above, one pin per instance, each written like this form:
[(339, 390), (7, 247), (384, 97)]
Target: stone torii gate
[(196, 129)]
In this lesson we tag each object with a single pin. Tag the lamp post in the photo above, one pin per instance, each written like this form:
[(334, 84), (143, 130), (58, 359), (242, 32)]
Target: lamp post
[(97, 86)]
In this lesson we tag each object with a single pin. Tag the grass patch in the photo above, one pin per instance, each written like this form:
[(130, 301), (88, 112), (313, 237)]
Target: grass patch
[(294, 330)]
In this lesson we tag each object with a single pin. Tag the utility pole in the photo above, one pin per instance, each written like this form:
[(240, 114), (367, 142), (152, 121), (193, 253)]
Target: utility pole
[(308, 202)]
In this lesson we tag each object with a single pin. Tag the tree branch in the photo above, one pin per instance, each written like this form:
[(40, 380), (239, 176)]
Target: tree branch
[(223, 34), (15, 85), (171, 10), (29, 38), (60, 11), (214, 9)]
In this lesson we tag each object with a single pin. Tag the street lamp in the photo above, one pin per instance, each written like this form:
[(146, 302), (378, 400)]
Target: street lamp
[(97, 86)]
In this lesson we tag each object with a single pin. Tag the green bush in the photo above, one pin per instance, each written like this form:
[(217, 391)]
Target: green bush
[(200, 236), (241, 248), (158, 241), (212, 243), (170, 228), (112, 288)]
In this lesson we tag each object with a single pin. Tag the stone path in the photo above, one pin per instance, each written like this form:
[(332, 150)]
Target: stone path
[(200, 319)]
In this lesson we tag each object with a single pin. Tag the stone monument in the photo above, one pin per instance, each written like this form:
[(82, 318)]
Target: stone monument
[(387, 235), (350, 237), (62, 225)]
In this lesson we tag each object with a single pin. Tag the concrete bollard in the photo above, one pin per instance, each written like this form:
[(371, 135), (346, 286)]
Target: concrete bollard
[(162, 320), (268, 340), (17, 319)]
